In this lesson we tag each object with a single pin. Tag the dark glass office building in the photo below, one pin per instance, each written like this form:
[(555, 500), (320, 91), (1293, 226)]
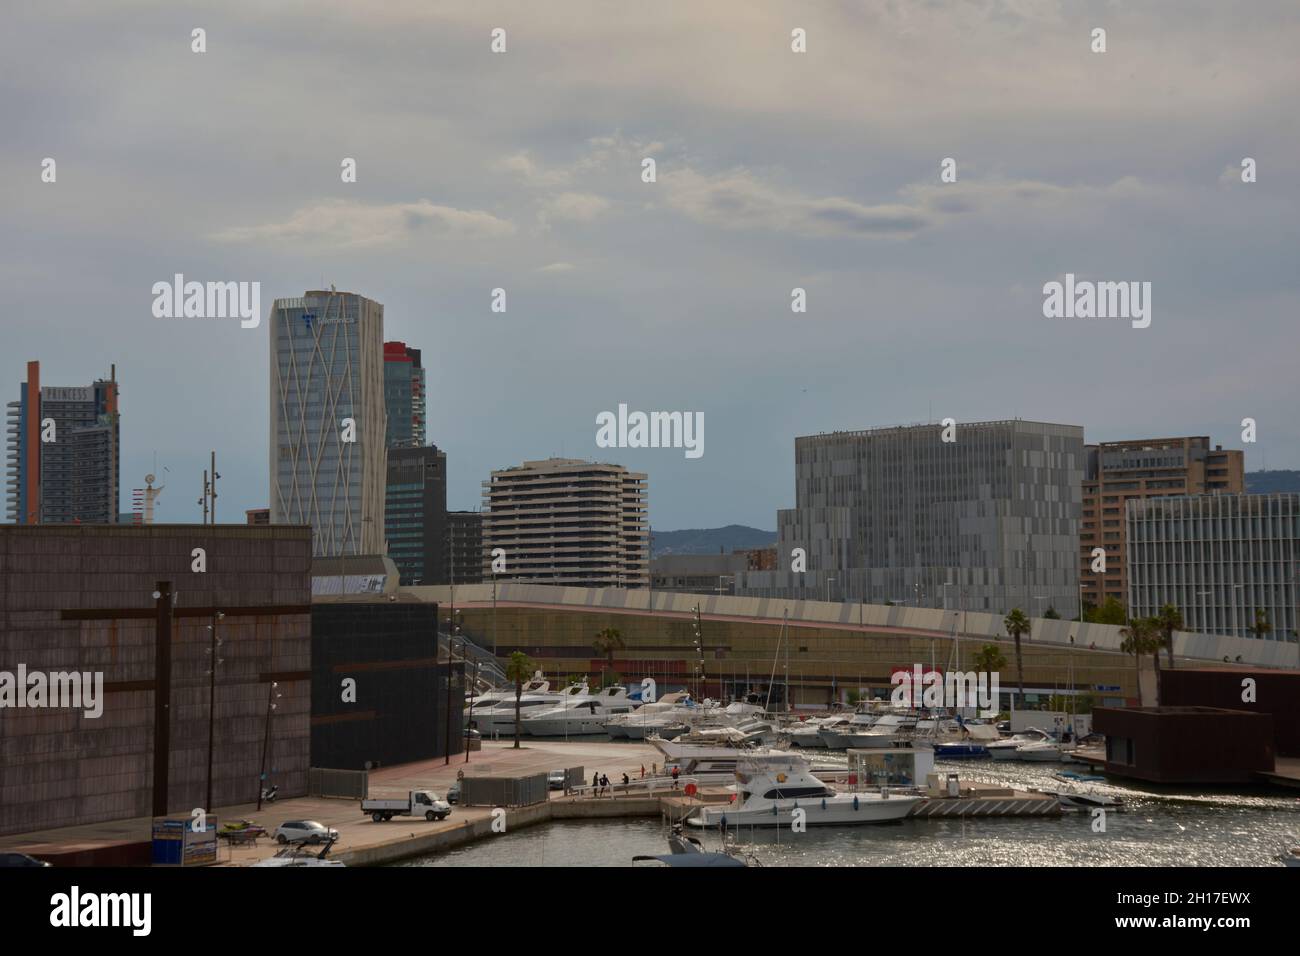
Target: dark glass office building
[(415, 516)]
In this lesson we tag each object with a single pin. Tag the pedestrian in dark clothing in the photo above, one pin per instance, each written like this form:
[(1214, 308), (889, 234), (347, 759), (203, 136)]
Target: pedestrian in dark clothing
[(595, 784), (604, 784)]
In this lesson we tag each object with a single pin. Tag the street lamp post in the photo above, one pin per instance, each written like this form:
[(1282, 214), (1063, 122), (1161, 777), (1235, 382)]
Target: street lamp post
[(213, 643), (271, 698), (470, 719)]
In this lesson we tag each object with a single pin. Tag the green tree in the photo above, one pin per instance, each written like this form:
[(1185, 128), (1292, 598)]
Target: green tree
[(607, 642), (1261, 627), (1052, 614), (1169, 619), (1111, 612), (518, 669), (1017, 624), (990, 660), (1140, 637)]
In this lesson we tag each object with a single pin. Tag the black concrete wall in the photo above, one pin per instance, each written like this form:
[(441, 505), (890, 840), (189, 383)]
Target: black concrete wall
[(400, 714)]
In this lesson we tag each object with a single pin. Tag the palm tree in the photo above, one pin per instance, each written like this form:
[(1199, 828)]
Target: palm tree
[(1138, 639), (990, 660), (606, 642), (518, 669), (1261, 625), (1016, 624), (1170, 619)]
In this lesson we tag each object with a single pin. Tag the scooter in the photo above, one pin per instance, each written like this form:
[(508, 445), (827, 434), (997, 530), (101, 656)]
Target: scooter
[(268, 793)]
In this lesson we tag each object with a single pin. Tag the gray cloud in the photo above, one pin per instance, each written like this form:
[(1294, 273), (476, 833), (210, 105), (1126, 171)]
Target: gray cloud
[(523, 171)]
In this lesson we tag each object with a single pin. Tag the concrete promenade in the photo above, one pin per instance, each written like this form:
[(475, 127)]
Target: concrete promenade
[(363, 842)]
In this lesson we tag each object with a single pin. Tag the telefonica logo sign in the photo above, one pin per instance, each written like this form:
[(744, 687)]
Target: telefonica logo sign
[(179, 299)]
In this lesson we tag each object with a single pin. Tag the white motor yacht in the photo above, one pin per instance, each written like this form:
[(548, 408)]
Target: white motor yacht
[(666, 717), (499, 720), (579, 715), (1040, 751), (888, 730), (1005, 749), (807, 734), (481, 703), (770, 786)]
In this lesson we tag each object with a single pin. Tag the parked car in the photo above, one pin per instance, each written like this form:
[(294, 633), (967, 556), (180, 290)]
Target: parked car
[(555, 779), (453, 793), (304, 831), (21, 859)]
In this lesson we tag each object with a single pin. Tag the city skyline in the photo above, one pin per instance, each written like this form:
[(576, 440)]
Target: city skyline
[(820, 171)]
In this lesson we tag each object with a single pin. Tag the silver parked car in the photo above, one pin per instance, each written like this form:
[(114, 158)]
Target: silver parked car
[(304, 831)]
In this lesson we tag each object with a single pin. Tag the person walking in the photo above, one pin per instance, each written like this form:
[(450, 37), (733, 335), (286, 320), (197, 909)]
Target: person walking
[(604, 785), (676, 773), (595, 784)]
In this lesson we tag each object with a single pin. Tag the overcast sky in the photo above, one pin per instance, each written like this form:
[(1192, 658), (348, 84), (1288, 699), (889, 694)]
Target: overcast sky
[(522, 170)]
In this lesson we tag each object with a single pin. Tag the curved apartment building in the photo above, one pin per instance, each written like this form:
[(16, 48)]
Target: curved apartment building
[(567, 521)]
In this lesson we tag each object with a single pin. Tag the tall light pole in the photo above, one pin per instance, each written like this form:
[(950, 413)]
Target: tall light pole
[(470, 720), (214, 642), (271, 697), (213, 492)]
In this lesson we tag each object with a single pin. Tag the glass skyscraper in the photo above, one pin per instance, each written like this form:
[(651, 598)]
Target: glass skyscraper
[(1229, 563), (328, 454), (987, 522), (73, 477), (404, 395)]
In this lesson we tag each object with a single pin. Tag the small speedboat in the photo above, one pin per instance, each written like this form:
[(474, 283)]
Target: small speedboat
[(296, 855), (688, 851), (1040, 751), (1290, 857)]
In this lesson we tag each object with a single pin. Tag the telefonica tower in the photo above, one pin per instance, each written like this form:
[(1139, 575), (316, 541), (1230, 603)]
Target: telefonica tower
[(328, 455)]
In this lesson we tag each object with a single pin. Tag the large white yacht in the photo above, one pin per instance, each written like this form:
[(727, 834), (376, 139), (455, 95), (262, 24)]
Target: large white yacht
[(668, 717), (476, 704), (579, 715), (499, 721), (770, 786), (888, 730)]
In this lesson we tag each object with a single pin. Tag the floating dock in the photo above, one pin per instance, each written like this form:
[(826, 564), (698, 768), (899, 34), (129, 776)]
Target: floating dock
[(1003, 803)]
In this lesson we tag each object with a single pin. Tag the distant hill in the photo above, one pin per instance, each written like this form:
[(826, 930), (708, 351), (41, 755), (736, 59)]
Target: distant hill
[(1268, 482), (710, 540)]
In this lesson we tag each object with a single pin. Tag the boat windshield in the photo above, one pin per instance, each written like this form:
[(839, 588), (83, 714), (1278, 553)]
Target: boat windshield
[(791, 793)]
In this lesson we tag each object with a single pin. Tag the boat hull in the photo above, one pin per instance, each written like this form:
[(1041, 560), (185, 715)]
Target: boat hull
[(839, 811)]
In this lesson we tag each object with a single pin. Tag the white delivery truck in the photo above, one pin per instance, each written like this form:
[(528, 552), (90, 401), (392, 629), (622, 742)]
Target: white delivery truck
[(424, 803)]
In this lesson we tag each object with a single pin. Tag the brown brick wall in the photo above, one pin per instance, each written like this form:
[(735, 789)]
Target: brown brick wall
[(60, 768)]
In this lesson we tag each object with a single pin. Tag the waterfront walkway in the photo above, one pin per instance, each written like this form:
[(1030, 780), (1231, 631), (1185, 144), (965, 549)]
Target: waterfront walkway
[(363, 841)]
